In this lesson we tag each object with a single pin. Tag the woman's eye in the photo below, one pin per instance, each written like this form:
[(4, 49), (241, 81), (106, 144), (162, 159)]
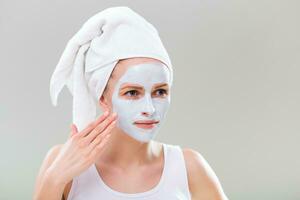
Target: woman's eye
[(161, 92), (131, 93)]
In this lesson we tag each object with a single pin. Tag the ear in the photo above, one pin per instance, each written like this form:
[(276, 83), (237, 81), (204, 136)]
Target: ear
[(103, 103)]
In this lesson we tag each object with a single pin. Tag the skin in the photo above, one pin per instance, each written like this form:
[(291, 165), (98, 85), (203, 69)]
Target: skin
[(120, 157)]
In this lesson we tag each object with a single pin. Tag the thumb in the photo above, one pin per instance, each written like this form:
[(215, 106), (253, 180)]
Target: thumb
[(74, 130)]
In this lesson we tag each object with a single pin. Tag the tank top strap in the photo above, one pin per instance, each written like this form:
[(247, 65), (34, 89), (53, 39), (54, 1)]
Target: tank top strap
[(176, 172), (84, 183)]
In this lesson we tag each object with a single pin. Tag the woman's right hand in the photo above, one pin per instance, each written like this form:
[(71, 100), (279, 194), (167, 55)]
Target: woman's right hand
[(81, 149)]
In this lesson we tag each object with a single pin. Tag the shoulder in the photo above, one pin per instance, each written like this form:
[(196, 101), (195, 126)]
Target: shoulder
[(49, 157), (53, 152), (203, 182)]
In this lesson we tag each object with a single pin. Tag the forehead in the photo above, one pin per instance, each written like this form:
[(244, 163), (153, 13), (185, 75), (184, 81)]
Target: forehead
[(146, 73)]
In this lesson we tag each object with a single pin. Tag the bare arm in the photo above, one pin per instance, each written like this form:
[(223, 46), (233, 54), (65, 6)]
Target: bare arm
[(63, 162), (46, 186), (203, 182)]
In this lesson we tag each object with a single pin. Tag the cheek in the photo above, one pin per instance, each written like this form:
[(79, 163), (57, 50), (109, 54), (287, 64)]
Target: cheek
[(125, 109), (161, 105), (120, 105)]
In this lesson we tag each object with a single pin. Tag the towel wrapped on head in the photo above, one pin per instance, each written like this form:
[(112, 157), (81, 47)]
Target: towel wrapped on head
[(92, 53)]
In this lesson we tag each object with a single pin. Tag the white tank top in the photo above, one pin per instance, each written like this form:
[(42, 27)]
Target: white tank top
[(173, 184)]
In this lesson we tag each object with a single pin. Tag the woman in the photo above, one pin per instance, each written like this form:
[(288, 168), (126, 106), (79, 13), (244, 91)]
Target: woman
[(116, 156)]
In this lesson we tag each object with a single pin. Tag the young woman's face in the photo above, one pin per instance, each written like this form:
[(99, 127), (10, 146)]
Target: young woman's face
[(141, 97)]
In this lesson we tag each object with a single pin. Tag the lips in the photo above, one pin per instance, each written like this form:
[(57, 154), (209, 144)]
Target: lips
[(145, 124)]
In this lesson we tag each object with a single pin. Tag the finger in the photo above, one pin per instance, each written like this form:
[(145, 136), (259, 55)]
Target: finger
[(93, 124), (100, 128), (74, 130), (100, 137), (98, 147)]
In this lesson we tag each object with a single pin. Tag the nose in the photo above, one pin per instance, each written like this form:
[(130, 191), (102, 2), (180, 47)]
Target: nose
[(148, 108)]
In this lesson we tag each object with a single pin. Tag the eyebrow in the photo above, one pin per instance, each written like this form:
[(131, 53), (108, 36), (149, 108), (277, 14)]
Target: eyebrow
[(160, 85), (131, 85)]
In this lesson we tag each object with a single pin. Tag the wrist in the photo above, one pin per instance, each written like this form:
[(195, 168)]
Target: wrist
[(54, 178)]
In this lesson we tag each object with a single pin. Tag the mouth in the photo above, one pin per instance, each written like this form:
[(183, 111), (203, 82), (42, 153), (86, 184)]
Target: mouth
[(146, 124)]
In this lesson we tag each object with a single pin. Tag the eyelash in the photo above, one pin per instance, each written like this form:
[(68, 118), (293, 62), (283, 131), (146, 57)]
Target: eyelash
[(130, 92), (164, 91)]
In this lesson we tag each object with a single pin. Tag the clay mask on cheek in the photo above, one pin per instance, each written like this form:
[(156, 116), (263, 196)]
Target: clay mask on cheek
[(130, 109)]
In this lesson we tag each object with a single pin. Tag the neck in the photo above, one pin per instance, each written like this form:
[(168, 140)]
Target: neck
[(124, 151)]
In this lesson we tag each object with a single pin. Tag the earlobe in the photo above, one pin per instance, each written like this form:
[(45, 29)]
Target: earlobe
[(103, 103)]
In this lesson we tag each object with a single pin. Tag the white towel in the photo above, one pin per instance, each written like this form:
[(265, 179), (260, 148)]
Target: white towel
[(92, 53)]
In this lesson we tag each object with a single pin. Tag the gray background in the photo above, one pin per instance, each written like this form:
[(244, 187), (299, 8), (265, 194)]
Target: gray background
[(235, 97)]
